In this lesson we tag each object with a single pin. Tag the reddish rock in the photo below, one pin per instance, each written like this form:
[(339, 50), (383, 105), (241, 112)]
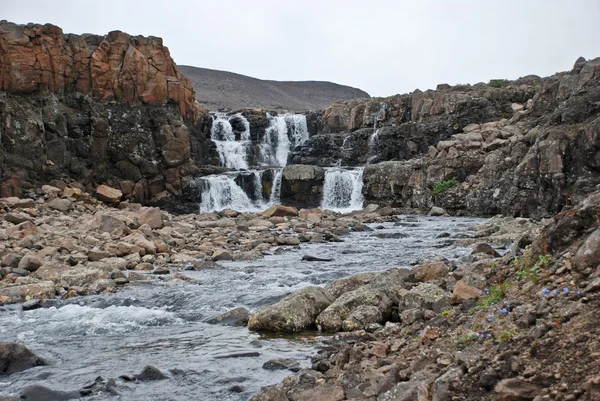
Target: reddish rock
[(280, 210), (108, 194), (464, 292), (430, 271), (517, 390), (118, 66)]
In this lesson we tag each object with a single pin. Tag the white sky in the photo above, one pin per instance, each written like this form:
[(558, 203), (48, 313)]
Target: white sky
[(381, 46)]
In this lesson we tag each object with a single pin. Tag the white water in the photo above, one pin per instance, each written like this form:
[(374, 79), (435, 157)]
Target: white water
[(373, 146), (222, 192), (232, 153), (283, 134), (342, 190)]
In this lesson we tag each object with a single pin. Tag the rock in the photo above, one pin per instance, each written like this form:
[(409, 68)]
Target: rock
[(487, 249), (35, 392), (62, 205), (294, 313), (108, 194), (315, 259), (322, 392), (282, 364), (464, 292), (110, 224), (341, 286), (11, 259), (517, 390), (17, 218), (371, 303), (21, 230), (270, 394), (437, 211), (235, 317), (238, 355), (150, 373), (221, 255), (96, 255), (302, 185), (71, 193), (280, 211), (20, 293), (161, 270), (32, 304), (24, 204), (588, 253), (422, 297), (431, 271), (121, 281), (30, 263), (152, 217), (16, 358)]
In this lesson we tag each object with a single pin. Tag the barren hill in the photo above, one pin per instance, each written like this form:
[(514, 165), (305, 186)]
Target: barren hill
[(221, 89)]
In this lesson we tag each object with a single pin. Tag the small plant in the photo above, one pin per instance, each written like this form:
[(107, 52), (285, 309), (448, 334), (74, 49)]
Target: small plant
[(448, 312), (506, 335), (528, 269), (443, 186), (498, 83), (493, 296)]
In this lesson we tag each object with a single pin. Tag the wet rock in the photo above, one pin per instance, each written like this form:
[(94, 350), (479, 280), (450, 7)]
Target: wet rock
[(294, 313), (150, 373), (310, 258), (282, 364), (517, 390), (32, 304), (36, 392), (30, 263), (302, 185), (161, 270), (236, 389), (464, 292), (221, 255), (235, 317), (390, 235), (239, 355), (121, 281), (17, 358)]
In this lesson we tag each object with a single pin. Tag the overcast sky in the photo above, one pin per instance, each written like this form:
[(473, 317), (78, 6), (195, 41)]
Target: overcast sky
[(383, 47)]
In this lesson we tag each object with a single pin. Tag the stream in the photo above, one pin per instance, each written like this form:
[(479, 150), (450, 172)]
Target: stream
[(164, 323)]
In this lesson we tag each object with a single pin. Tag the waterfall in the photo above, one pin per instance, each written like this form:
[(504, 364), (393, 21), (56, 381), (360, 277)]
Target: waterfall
[(241, 191), (283, 134), (342, 190), (233, 152), (373, 147)]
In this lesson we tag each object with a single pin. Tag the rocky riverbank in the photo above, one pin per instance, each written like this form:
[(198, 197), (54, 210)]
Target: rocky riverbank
[(68, 243), (522, 326)]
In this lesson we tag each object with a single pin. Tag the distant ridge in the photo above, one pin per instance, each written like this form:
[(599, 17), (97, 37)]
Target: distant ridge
[(221, 89)]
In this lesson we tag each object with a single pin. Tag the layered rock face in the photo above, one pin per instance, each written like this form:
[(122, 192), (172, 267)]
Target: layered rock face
[(95, 109), (118, 66), (543, 158)]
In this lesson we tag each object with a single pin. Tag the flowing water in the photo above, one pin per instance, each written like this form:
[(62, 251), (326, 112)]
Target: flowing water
[(232, 150), (342, 190), (164, 324)]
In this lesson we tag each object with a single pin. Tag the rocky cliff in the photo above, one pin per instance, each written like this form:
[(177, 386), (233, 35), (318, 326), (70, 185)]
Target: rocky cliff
[(525, 148), (95, 109)]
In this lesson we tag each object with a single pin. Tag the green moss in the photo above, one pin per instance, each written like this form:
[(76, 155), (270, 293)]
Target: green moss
[(443, 186), (498, 83)]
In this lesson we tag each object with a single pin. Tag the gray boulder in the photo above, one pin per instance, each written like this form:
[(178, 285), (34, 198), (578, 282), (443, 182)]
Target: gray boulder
[(16, 358)]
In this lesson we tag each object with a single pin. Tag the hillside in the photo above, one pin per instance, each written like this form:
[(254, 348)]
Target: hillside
[(221, 89)]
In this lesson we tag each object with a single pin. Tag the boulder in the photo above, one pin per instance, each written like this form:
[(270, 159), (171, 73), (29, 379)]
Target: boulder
[(17, 218), (108, 194), (431, 271), (62, 205), (294, 313), (425, 296), (517, 390), (302, 185), (35, 392), (485, 248), (221, 254), (20, 293), (282, 364), (16, 358), (280, 211), (464, 292), (235, 317), (30, 263), (150, 373), (437, 211), (152, 217), (11, 259)]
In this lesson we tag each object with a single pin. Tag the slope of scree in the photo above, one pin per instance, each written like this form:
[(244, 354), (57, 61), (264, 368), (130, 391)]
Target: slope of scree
[(225, 90)]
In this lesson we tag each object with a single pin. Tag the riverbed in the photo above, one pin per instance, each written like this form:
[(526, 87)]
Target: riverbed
[(165, 323)]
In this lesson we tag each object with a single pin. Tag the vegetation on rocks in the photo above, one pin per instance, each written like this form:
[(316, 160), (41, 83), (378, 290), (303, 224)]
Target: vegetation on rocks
[(441, 187)]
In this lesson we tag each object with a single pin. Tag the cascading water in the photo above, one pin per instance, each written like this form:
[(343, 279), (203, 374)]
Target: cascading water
[(241, 191), (233, 152), (283, 134), (342, 190), (373, 147)]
